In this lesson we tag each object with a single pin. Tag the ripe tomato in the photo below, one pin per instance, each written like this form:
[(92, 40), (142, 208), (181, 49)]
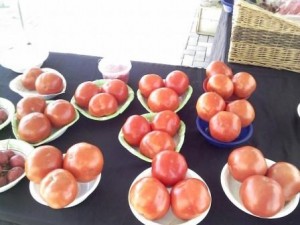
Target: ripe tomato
[(225, 126), (190, 198), (117, 88), (167, 121), (60, 113), (84, 92), (220, 84), (150, 82), (288, 176), (85, 161), (261, 195), (218, 67), (59, 188), (244, 84), (135, 128), (29, 77), (103, 104), (163, 99), (155, 142), (169, 167), (178, 81), (208, 104), (30, 104), (246, 161), (49, 83), (34, 127), (41, 161), (149, 197), (244, 109)]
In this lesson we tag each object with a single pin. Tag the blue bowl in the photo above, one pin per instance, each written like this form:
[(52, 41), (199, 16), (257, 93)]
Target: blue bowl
[(244, 136), (228, 5)]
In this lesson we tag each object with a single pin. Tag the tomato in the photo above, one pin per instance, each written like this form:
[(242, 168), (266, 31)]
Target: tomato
[(225, 126), (49, 83), (117, 88), (218, 67), (244, 84), (103, 104), (244, 109), (30, 104), (167, 121), (59, 188), (149, 197), (29, 77), (3, 115), (261, 195), (190, 198), (208, 104), (178, 81), (150, 82), (155, 142), (163, 99), (220, 84), (135, 128), (84, 92), (85, 161), (34, 127), (246, 161), (288, 176), (41, 161), (169, 167)]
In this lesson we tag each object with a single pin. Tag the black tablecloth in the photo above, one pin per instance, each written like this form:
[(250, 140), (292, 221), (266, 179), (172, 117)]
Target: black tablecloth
[(276, 133)]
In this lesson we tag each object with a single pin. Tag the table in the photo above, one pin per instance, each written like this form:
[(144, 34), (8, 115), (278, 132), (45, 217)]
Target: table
[(276, 133)]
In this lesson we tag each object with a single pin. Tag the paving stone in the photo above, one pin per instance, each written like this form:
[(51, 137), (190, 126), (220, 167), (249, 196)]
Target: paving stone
[(187, 60), (190, 52)]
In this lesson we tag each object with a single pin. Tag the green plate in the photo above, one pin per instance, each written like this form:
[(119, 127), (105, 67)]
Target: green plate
[(120, 110), (179, 138)]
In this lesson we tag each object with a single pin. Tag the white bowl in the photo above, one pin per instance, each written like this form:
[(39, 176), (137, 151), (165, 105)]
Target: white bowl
[(19, 147), (298, 110), (169, 218), (9, 107), (231, 188)]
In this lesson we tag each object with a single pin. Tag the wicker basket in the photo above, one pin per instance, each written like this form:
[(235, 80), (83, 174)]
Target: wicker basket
[(262, 38)]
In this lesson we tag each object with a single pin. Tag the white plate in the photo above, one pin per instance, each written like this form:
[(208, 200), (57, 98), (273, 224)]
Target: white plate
[(9, 107), (231, 188), (19, 147), (298, 110), (169, 218), (84, 190), (16, 86)]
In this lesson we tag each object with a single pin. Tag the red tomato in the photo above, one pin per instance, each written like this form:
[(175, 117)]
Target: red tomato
[(49, 83), (150, 82), (150, 198), (246, 161), (220, 84), (243, 109), (103, 104), (59, 188), (29, 77), (155, 142), (208, 104), (85, 161), (167, 121), (178, 81), (169, 167), (34, 127), (262, 195), (41, 161), (225, 126), (135, 128), (190, 198), (163, 99), (117, 88), (288, 176), (84, 92), (60, 113), (218, 67), (244, 84), (30, 104)]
